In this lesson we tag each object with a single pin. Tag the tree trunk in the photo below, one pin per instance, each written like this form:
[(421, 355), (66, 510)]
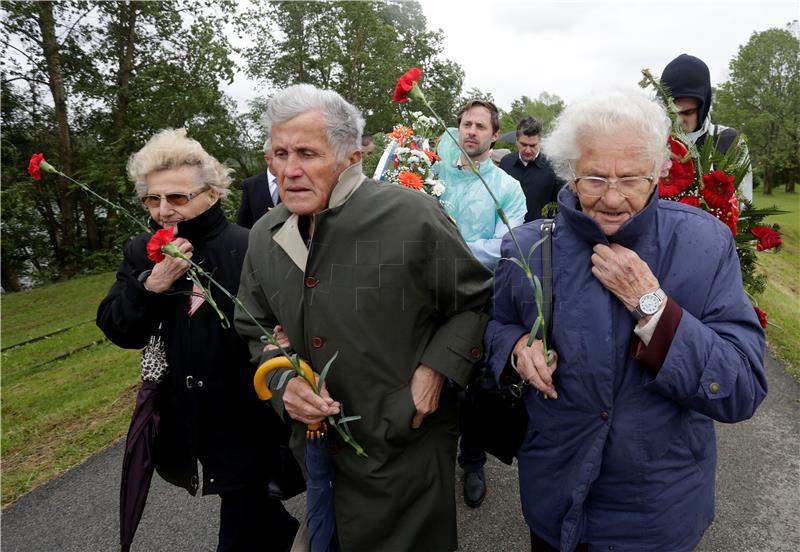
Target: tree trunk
[(66, 200), (790, 187), (768, 179)]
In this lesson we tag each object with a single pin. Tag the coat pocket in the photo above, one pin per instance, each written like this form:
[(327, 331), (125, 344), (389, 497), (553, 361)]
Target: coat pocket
[(397, 410)]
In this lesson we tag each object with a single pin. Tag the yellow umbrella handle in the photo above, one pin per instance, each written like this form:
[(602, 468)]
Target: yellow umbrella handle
[(260, 383)]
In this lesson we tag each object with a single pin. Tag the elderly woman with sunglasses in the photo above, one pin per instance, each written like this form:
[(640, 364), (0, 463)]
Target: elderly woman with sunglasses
[(655, 339), (209, 411)]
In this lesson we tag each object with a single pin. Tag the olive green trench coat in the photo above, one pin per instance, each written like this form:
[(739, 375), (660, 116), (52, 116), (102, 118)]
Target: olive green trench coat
[(389, 284)]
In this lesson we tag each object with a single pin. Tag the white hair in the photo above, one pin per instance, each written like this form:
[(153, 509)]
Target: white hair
[(344, 123), (268, 146), (608, 113), (172, 149)]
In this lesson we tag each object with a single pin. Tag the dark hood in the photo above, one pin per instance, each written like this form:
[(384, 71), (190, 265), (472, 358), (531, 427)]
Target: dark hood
[(688, 77)]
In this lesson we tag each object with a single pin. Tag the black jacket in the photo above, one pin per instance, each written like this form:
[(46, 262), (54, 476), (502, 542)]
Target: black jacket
[(214, 417), (539, 183), (256, 200)]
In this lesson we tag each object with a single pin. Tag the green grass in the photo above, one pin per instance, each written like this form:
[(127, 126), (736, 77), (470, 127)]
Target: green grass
[(58, 412), (781, 300)]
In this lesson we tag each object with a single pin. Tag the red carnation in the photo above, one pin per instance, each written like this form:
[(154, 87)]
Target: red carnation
[(160, 239), (406, 83), (762, 317), (767, 237), (717, 189), (34, 168), (690, 200), (681, 173)]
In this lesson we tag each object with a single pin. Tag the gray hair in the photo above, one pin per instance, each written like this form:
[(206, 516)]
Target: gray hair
[(344, 123), (268, 146), (607, 113), (172, 149)]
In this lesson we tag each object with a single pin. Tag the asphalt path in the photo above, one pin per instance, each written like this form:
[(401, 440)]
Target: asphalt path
[(758, 498)]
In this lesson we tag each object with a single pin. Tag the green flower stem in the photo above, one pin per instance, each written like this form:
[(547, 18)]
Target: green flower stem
[(119, 208), (416, 92)]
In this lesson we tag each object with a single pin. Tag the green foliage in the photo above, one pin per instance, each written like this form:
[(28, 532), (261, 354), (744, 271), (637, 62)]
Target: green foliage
[(359, 49), (129, 69), (545, 108), (762, 100)]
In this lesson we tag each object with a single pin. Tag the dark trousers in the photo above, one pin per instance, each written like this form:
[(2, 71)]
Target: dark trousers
[(471, 457), (250, 521), (539, 545)]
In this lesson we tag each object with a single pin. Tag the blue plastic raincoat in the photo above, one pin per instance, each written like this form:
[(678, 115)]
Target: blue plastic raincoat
[(471, 206)]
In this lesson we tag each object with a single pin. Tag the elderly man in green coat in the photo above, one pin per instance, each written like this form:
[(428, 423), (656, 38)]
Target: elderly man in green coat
[(380, 275)]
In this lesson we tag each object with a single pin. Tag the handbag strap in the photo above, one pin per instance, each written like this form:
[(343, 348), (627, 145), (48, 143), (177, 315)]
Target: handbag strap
[(548, 225)]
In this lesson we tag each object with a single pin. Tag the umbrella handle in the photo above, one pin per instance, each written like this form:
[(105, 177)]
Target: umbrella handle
[(315, 430)]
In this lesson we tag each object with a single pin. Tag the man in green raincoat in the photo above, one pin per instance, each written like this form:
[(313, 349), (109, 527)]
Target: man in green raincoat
[(380, 275)]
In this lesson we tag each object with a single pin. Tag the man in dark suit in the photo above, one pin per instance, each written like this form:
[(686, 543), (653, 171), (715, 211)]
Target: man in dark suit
[(260, 193), (539, 183)]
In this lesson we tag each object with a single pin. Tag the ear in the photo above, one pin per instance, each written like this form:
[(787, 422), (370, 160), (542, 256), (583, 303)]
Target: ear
[(496, 135), (213, 195), (355, 157)]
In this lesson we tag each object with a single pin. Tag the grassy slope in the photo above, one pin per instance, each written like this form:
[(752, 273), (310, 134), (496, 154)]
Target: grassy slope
[(56, 413), (781, 300)]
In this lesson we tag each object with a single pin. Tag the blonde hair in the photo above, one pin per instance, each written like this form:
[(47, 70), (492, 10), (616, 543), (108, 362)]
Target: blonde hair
[(171, 149)]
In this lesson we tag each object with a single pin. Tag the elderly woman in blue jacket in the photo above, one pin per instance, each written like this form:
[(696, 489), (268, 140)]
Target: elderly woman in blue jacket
[(655, 339)]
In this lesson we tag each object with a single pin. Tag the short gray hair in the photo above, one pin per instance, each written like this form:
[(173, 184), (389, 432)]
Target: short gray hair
[(268, 145), (344, 123), (606, 113), (172, 149)]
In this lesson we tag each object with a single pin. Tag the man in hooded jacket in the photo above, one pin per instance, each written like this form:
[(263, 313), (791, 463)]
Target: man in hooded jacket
[(689, 82)]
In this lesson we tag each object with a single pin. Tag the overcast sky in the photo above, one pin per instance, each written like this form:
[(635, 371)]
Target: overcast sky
[(567, 48)]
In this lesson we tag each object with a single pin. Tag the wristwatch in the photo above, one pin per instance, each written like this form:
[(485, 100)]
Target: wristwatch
[(649, 303)]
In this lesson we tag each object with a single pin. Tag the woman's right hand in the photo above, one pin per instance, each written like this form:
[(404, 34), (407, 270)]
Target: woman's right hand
[(168, 271), (532, 366)]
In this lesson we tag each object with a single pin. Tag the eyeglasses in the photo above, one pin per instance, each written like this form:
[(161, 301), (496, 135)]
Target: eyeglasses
[(688, 112), (176, 198), (628, 186)]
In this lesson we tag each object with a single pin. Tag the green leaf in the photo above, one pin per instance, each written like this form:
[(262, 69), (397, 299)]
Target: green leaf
[(345, 421), (282, 380), (324, 373)]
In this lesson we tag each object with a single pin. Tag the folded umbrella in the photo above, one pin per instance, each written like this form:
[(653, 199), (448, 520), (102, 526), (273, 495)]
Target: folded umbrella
[(320, 510), (138, 462)]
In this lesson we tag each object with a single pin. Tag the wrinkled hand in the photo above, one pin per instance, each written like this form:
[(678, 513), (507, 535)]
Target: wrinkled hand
[(304, 405), (282, 338), (426, 386), (623, 273), (532, 366), (168, 271)]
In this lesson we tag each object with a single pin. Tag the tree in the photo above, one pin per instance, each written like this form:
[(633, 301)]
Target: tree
[(762, 100), (358, 49), (545, 108), (88, 83)]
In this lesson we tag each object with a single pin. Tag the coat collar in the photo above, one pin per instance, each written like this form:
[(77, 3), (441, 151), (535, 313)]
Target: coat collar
[(288, 236), (586, 227), (206, 225)]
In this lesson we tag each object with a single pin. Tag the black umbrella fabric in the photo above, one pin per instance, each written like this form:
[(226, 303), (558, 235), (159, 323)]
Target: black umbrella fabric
[(321, 514), (138, 462), (510, 137)]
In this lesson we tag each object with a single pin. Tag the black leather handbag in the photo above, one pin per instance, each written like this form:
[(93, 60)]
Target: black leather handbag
[(495, 413)]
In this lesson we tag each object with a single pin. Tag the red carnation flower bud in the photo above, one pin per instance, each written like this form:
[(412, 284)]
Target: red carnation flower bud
[(160, 239), (34, 166), (767, 237), (405, 84)]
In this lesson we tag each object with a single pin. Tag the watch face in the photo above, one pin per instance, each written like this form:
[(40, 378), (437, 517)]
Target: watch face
[(649, 303)]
